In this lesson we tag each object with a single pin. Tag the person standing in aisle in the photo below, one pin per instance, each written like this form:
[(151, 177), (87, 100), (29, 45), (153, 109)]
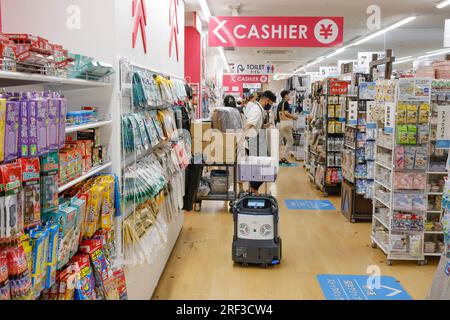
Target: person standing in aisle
[(257, 119), (286, 121)]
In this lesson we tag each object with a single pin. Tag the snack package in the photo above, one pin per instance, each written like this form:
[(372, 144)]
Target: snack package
[(410, 157), (403, 181), (402, 202), (53, 125), (3, 266), (424, 135), (13, 205), (52, 250), (93, 211), (2, 128), (49, 181), (85, 289), (411, 115), (402, 134), (11, 131), (419, 181), (401, 114), (5, 291), (24, 143), (31, 191), (78, 203), (424, 113), (38, 243), (420, 162), (102, 271), (40, 110), (412, 134), (62, 112), (419, 202), (400, 157)]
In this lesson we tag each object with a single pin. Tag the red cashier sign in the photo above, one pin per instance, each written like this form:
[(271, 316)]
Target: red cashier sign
[(276, 31)]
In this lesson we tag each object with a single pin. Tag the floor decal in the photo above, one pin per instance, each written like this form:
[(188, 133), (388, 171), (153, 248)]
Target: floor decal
[(289, 165), (324, 205), (353, 287)]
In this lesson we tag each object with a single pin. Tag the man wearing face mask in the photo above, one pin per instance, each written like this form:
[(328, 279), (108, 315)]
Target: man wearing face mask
[(257, 119)]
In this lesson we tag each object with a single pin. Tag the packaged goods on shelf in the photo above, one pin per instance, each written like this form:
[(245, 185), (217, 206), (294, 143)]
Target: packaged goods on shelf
[(402, 164), (89, 68)]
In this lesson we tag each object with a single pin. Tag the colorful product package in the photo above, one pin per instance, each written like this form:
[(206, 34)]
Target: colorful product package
[(402, 134), (102, 271), (68, 282), (53, 125), (62, 113), (107, 212), (49, 181), (86, 288), (93, 211), (33, 108), (40, 107), (24, 141), (400, 157), (38, 239), (421, 159), (424, 113), (31, 191), (13, 206), (2, 128), (419, 202), (410, 157), (412, 134), (11, 131), (80, 204), (420, 181), (52, 250), (411, 115), (401, 114), (423, 134), (3, 266), (121, 284), (402, 202)]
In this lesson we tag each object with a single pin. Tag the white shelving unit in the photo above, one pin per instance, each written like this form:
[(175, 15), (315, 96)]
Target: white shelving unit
[(399, 233), (93, 125), (84, 177)]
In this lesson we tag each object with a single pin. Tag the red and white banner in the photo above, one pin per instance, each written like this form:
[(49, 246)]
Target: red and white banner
[(239, 78), (276, 31)]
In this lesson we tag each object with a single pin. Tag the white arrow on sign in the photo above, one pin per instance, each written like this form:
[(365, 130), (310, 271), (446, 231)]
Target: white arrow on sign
[(233, 78), (217, 29), (393, 293)]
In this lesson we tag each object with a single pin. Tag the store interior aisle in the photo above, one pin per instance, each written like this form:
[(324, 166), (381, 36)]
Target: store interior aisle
[(316, 242)]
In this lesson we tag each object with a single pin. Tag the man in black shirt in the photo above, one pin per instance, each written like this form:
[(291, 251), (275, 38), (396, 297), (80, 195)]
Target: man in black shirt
[(286, 120)]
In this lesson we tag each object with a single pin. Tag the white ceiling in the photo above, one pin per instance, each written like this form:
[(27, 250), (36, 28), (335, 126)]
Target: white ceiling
[(426, 33)]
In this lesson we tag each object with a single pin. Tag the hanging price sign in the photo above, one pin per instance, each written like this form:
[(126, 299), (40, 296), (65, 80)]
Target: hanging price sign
[(443, 131), (353, 113), (389, 118)]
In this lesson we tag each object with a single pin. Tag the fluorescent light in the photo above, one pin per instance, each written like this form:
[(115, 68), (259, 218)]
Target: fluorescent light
[(338, 51), (437, 51), (403, 61), (434, 54), (378, 33), (205, 9), (443, 4), (224, 58), (404, 58)]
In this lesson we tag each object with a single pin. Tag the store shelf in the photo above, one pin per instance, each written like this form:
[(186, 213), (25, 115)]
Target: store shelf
[(434, 211), (435, 193), (350, 147), (383, 185), (384, 146), (381, 221), (438, 173), (86, 176), (14, 79), (381, 245), (434, 232), (382, 202), (88, 126), (381, 164), (433, 254)]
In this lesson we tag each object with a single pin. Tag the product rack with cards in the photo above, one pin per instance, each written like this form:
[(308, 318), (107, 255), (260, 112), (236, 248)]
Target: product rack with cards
[(358, 154), (402, 113)]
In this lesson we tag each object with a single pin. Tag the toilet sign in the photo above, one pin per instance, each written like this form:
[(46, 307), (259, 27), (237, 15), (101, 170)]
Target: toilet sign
[(276, 31)]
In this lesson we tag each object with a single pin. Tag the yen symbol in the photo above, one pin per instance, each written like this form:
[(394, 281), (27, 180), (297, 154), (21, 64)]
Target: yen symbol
[(326, 31)]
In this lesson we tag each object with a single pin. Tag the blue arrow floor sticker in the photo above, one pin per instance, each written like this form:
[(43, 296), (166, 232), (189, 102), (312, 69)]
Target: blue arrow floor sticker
[(309, 205), (353, 287)]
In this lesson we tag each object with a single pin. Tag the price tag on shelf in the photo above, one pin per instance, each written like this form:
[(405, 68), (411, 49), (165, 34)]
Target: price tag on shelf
[(443, 132), (389, 117), (353, 113)]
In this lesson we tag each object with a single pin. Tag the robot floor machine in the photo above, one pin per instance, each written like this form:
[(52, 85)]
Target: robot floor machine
[(256, 239)]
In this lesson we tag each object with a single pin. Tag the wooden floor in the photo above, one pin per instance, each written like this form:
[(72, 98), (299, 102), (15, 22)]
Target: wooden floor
[(313, 243)]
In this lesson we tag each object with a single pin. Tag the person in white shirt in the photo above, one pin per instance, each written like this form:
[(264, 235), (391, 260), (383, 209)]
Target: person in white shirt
[(256, 117)]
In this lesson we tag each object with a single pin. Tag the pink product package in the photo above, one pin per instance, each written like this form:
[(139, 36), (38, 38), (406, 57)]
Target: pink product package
[(11, 130), (52, 127), (40, 106), (62, 113), (24, 143), (400, 157), (403, 181), (420, 181)]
